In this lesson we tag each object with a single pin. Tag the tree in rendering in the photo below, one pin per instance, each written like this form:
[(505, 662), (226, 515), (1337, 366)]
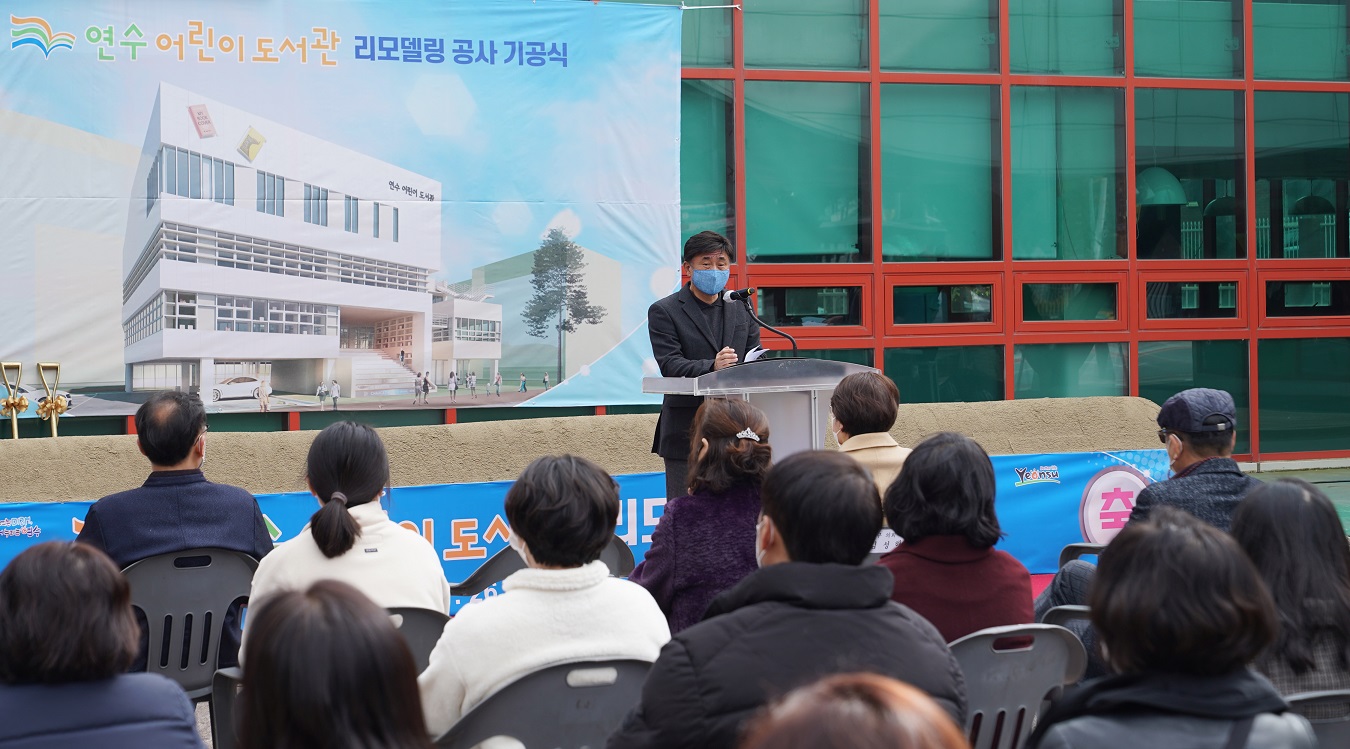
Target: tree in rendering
[(560, 302)]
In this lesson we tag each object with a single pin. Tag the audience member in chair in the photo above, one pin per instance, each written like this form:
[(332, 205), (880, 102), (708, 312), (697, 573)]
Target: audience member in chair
[(864, 407), (1292, 533), (326, 669), (705, 542), (177, 508), (1180, 612), (351, 537), (947, 568), (855, 710), (810, 611), (564, 607), (67, 636)]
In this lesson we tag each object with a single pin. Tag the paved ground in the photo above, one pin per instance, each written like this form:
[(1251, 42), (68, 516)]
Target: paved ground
[(1335, 482)]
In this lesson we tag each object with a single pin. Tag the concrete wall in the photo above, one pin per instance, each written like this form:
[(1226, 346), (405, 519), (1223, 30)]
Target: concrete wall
[(74, 468)]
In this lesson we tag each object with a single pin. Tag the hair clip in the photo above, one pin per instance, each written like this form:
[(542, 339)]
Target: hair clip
[(747, 434)]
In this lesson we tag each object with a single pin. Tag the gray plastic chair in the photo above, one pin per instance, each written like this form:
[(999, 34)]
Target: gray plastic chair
[(1010, 672), (1074, 551), (570, 706), (184, 596), (618, 556), (421, 629), (1331, 732), (1062, 615)]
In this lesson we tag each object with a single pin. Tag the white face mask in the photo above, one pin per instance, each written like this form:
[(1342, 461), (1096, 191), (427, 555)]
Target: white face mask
[(519, 545), (759, 552)]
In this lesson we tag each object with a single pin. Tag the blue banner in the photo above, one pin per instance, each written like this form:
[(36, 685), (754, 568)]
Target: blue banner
[(1044, 502)]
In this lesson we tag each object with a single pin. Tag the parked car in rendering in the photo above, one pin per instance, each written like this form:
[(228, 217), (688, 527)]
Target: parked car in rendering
[(237, 387)]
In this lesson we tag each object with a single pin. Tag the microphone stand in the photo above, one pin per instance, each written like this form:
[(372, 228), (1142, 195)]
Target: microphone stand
[(749, 308)]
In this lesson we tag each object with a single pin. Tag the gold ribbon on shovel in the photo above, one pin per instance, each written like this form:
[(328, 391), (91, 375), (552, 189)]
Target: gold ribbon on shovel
[(12, 404), (53, 405)]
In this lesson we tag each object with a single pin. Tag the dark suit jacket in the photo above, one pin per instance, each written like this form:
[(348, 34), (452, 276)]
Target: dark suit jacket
[(1209, 490), (173, 511), (131, 711), (685, 346)]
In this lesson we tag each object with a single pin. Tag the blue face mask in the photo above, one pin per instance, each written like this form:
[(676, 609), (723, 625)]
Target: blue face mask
[(710, 281)]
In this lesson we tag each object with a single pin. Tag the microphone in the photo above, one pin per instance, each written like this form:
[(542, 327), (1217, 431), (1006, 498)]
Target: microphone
[(738, 295)]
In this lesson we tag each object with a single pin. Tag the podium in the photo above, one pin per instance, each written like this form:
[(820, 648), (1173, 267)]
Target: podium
[(793, 393)]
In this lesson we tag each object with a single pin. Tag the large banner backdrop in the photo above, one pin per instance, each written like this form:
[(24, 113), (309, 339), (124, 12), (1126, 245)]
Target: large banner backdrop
[(337, 197)]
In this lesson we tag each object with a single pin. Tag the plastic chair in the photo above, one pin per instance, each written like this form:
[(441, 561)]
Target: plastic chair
[(1074, 551), (618, 556), (1330, 731), (421, 629), (184, 596), (570, 706), (1062, 615), (1010, 672)]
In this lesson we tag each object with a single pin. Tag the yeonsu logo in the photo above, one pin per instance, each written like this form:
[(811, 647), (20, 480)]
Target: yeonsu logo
[(1042, 475), (36, 32)]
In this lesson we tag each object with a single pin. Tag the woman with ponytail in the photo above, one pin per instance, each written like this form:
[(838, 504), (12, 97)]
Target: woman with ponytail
[(711, 532), (351, 538)]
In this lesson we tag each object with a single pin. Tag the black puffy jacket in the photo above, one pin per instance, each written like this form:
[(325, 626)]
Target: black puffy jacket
[(782, 627)]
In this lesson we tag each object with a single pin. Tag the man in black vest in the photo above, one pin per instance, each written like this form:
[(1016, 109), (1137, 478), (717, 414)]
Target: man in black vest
[(695, 331)]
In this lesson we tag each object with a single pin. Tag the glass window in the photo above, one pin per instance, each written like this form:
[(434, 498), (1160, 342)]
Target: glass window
[(218, 178), (706, 180), (1299, 40), (1304, 389), (806, 34), (807, 173), (1168, 367), (861, 356), (170, 171), (262, 193), (183, 176), (1068, 301), (1179, 300), (271, 195), (811, 306), (229, 184), (940, 172), (1068, 148), (1189, 188), (1076, 37), (1302, 166), (1064, 370), (395, 223), (927, 305), (1307, 298), (947, 35), (375, 216), (195, 176), (1188, 38), (947, 374), (309, 204), (706, 36)]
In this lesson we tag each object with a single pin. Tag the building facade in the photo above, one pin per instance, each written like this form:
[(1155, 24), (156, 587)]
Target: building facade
[(261, 251), (997, 199)]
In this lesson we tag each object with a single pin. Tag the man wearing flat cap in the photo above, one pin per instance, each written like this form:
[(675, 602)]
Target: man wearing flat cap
[(693, 332), (1199, 431)]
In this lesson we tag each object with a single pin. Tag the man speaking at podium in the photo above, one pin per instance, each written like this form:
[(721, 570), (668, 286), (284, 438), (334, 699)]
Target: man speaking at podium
[(695, 331)]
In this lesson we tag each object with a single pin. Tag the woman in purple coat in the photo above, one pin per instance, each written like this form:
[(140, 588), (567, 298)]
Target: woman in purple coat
[(705, 542)]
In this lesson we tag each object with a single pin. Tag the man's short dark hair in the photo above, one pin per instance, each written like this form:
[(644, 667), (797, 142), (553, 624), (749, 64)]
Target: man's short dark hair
[(865, 403), (65, 616), (825, 505), (168, 423), (564, 508), (1173, 594), (1209, 444), (706, 242), (946, 488)]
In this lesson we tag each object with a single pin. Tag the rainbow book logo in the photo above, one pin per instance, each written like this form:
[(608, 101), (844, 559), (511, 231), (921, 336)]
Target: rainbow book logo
[(38, 33)]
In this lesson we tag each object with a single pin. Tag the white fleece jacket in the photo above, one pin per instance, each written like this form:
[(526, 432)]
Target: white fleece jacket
[(544, 618)]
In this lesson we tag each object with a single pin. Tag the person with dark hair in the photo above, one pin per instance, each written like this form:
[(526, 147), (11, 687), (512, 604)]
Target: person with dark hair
[(67, 637), (177, 508), (811, 610), (562, 608), (864, 405), (705, 541), (947, 568), (1291, 532), (351, 537), (326, 668), (693, 332), (859, 711), (1180, 612), (335, 392)]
